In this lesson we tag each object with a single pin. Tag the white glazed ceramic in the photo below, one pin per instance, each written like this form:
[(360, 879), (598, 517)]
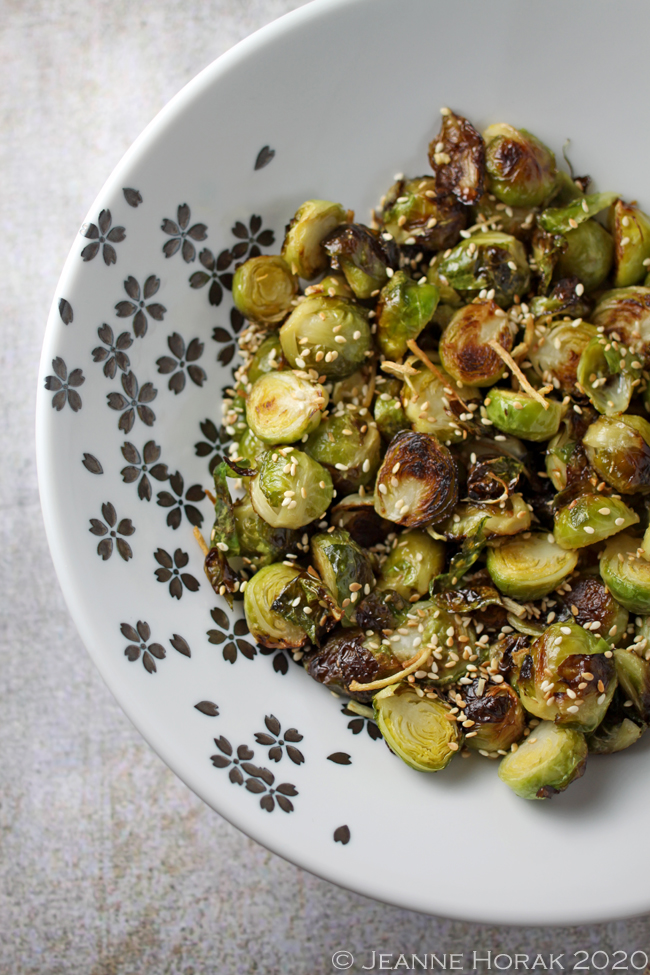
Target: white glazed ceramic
[(343, 95)]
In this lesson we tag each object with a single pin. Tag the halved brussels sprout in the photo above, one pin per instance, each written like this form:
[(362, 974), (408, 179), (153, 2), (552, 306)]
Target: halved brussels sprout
[(361, 255), (347, 447), (490, 260), (634, 677), (615, 733), (552, 684), (493, 479), (464, 348), (418, 481), (626, 574), (591, 518), (388, 411), (519, 222), (529, 568), (630, 228), (414, 213), (597, 607), (520, 415), (557, 357), (457, 156), (258, 541), (624, 314), (520, 169), (266, 626), (511, 519), (344, 568), (263, 289), (302, 248), (290, 489), (358, 516), (561, 220), (251, 449), (282, 408), (380, 610), (563, 300), (432, 406), (347, 657), (416, 728), (411, 565), (403, 309), (589, 255), (605, 377), (618, 449), (268, 358), (499, 719), (327, 334), (309, 604), (546, 763)]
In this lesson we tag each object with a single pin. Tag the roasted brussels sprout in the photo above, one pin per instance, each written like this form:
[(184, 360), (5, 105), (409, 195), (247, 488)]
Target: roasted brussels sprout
[(520, 169), (493, 479), (413, 213), (327, 334), (529, 568), (562, 220), (624, 314), (309, 604), (511, 519), (520, 415), (615, 732), (353, 389), (251, 449), (389, 413), (591, 518), (268, 358), (258, 541), (546, 763), (464, 348), (431, 624), (563, 300), (546, 249), (358, 516), (568, 677), (263, 289), (380, 610), (361, 255), (634, 678), (418, 481), (626, 574), (492, 261), (556, 355), (346, 658), (282, 408), (267, 626), (290, 489), (562, 452), (344, 568), (302, 248), (417, 729), (498, 718), (333, 285), (348, 447), (404, 308), (414, 561), (588, 256), (519, 222), (605, 377), (457, 156), (592, 605), (618, 448), (630, 228), (432, 405)]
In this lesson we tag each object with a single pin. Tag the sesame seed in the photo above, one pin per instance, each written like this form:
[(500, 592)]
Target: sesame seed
[(573, 709), (383, 488), (604, 511), (585, 206), (625, 241), (573, 223), (619, 521), (602, 698), (588, 529), (580, 289), (453, 746)]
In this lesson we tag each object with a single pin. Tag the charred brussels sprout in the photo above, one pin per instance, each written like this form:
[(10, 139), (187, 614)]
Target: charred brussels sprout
[(624, 313), (521, 415), (512, 518), (464, 348), (520, 169), (490, 260), (358, 516), (364, 260), (403, 310), (567, 677), (626, 574), (347, 447), (418, 482), (266, 626), (634, 678), (596, 607), (309, 604), (605, 377), (431, 404), (388, 411), (416, 728), (499, 719), (457, 156), (591, 518), (529, 568), (344, 568), (630, 228), (282, 408), (546, 763), (557, 357), (618, 449), (380, 610), (258, 541), (415, 560), (268, 358), (493, 479), (290, 489), (563, 300), (302, 248), (346, 658), (519, 222), (588, 256), (413, 213), (328, 334), (263, 289)]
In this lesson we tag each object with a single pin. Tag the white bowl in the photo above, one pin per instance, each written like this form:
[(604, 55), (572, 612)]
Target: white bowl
[(344, 94)]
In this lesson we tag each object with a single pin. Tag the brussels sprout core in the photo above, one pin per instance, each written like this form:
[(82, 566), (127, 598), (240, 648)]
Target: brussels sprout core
[(327, 334), (263, 289), (529, 568), (418, 482), (546, 763), (302, 248), (282, 408), (626, 311), (416, 728)]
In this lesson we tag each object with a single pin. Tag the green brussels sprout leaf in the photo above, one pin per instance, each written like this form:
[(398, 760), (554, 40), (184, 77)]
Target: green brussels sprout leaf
[(309, 604)]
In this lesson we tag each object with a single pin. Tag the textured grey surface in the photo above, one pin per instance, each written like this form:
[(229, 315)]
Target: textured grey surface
[(108, 864)]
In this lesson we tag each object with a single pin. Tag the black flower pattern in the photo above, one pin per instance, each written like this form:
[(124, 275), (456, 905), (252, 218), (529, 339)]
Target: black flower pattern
[(170, 571), (260, 781), (278, 741), (135, 401), (253, 235), (342, 835), (65, 311), (178, 502), (264, 157), (63, 385), (184, 358), (224, 337), (213, 444), (180, 233), (91, 464), (132, 197), (110, 529), (138, 304), (143, 465), (216, 271), (357, 723), (140, 646), (234, 637), (102, 236), (113, 353)]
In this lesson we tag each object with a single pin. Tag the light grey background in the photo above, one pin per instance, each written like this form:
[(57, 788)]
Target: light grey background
[(108, 864)]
